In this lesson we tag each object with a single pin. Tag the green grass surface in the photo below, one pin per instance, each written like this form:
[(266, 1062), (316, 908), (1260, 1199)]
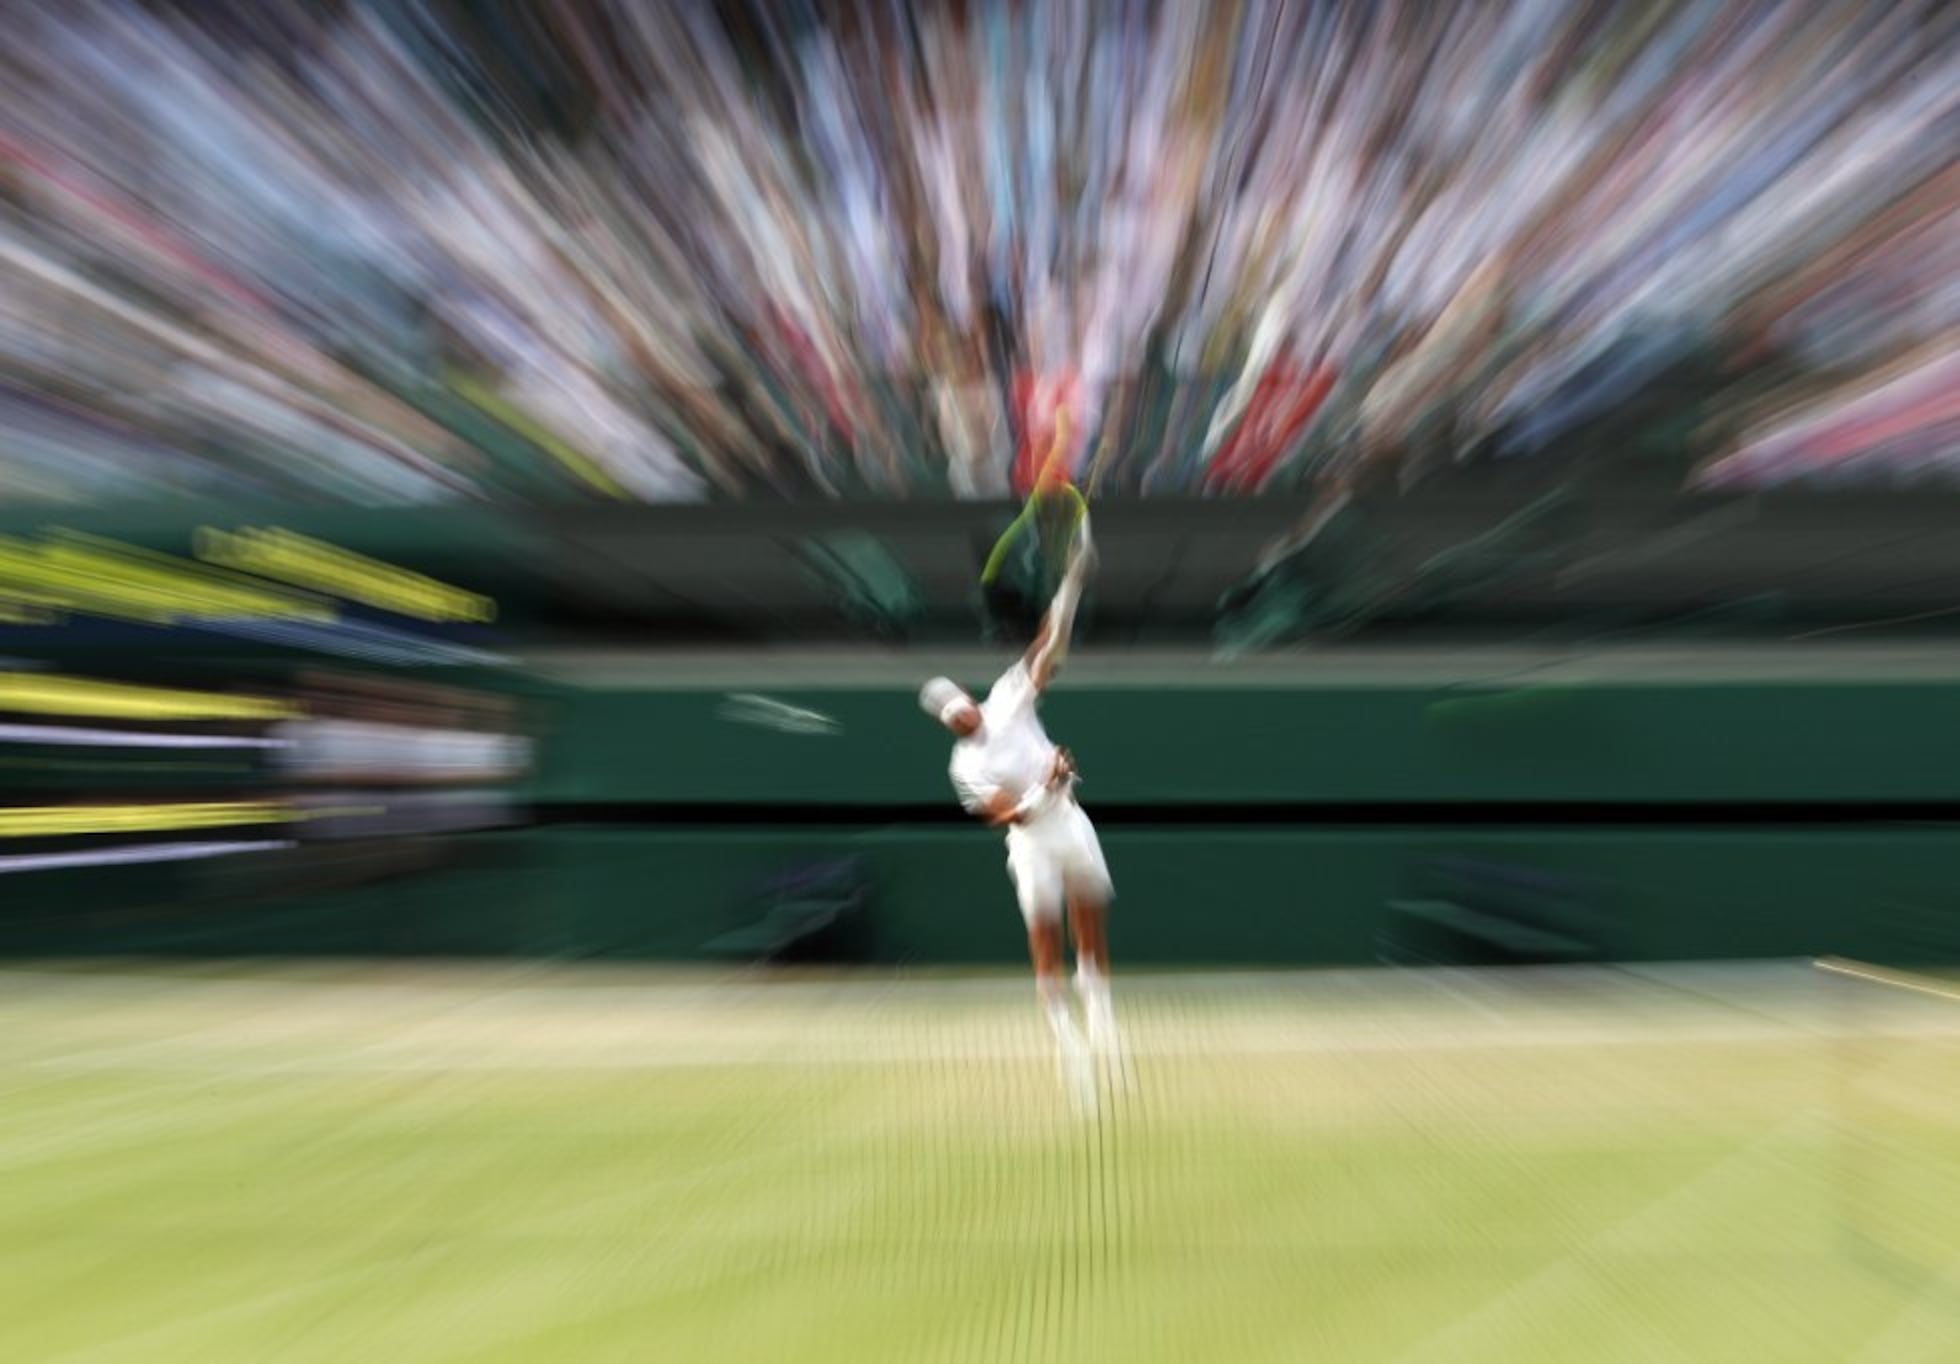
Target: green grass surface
[(342, 1163)]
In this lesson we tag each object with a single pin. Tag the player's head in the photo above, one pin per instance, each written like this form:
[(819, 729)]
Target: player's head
[(947, 702)]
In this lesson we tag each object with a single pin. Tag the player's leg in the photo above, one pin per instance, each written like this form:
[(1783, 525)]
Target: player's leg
[(1088, 889), (1038, 887), (1088, 916), (1045, 951)]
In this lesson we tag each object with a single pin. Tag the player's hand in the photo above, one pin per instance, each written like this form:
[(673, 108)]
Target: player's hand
[(1001, 809), (1063, 771)]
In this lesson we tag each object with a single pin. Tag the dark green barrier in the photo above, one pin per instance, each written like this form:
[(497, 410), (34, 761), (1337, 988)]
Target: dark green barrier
[(1186, 896), (1284, 897), (486, 896), (1189, 745)]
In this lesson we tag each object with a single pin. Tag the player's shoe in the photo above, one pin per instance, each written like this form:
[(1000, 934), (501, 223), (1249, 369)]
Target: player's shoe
[(1078, 1074), (1073, 1060), (1105, 1038)]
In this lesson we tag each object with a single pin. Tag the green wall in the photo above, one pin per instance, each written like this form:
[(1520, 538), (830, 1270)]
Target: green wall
[(1191, 891), (1705, 743), (1186, 896), (1269, 897)]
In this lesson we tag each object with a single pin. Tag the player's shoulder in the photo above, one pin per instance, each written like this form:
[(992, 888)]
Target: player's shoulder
[(1017, 681)]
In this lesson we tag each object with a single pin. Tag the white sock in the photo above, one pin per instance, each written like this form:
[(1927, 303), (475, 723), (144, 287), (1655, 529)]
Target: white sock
[(1072, 1054), (1054, 1006), (1092, 987)]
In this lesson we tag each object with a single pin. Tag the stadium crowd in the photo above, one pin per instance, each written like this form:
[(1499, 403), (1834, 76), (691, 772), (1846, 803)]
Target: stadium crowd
[(403, 251)]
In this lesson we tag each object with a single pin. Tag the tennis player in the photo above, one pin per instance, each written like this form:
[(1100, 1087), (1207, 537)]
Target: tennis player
[(1009, 773)]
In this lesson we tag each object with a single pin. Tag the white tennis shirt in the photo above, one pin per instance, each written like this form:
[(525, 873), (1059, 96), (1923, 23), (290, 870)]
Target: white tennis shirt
[(1010, 751)]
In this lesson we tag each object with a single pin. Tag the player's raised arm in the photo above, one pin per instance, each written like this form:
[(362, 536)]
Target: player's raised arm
[(1058, 625)]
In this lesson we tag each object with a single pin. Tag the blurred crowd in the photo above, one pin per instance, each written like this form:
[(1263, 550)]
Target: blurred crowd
[(119, 773), (407, 251), (372, 756)]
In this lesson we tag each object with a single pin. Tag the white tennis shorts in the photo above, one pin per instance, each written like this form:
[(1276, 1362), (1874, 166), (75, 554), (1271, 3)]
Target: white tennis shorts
[(1053, 856)]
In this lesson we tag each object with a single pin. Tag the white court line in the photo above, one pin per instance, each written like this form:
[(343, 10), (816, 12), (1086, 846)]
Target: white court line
[(428, 1027), (790, 1047), (691, 984), (1838, 966)]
